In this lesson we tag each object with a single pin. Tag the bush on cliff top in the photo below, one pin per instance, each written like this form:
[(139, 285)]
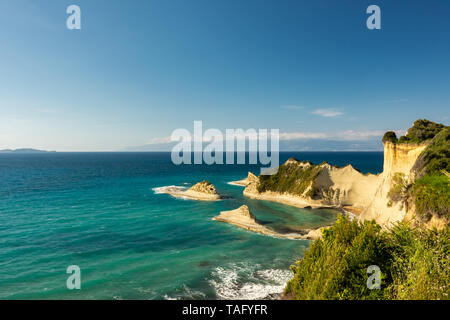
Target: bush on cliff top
[(414, 264), (431, 191), (421, 131), (436, 157), (390, 136), (291, 178)]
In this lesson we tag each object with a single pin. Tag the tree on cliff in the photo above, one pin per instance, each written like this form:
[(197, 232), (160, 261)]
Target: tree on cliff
[(390, 136), (421, 131)]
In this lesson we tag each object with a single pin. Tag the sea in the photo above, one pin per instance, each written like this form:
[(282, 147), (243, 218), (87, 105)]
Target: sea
[(106, 213)]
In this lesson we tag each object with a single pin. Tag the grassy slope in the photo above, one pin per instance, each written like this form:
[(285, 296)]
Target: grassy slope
[(414, 264), (290, 178)]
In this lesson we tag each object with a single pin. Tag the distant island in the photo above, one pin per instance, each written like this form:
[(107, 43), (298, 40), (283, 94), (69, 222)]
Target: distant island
[(24, 150)]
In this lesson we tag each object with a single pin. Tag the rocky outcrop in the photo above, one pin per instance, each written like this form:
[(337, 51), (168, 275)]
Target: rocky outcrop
[(346, 188), (203, 191), (332, 187), (243, 218), (398, 158), (244, 182), (204, 187)]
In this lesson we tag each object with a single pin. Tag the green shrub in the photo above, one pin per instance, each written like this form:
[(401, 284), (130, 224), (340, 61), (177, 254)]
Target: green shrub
[(414, 263), (390, 136), (421, 264), (335, 266), (400, 189), (421, 131), (436, 157), (291, 178), (431, 195), (404, 139)]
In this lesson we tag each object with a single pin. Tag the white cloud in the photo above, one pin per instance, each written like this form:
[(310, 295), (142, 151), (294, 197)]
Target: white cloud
[(159, 140), (348, 135), (302, 135), (327, 112), (358, 135)]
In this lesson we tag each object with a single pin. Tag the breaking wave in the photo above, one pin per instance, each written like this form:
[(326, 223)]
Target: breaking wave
[(232, 183), (165, 189), (246, 282)]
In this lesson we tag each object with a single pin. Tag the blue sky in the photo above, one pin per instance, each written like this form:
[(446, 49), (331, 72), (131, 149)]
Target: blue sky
[(137, 70)]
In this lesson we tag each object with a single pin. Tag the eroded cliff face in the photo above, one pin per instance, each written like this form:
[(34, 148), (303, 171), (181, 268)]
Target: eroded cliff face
[(347, 188), (333, 187), (398, 158)]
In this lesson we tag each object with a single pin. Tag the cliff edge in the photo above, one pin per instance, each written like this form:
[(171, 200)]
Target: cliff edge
[(389, 197)]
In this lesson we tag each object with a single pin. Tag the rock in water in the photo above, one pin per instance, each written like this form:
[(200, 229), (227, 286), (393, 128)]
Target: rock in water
[(203, 191), (242, 217), (204, 187)]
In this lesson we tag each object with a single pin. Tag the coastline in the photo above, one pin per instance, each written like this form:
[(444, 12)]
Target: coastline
[(287, 199), (243, 218)]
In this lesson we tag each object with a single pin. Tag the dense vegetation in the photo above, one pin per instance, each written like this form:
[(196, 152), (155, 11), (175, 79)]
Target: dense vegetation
[(291, 178), (436, 157), (431, 196), (422, 131), (431, 191), (414, 263), (390, 136)]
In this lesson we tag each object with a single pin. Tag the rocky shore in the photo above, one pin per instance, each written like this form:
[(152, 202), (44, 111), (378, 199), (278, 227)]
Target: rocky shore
[(243, 218), (302, 184)]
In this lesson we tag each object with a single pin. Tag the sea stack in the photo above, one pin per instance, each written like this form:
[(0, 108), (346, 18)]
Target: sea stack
[(243, 218), (203, 190), (244, 182)]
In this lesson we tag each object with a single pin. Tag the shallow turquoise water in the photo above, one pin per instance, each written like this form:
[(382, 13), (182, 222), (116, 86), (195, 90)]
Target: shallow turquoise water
[(100, 211)]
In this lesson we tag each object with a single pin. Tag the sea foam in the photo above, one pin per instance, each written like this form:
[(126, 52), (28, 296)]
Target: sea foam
[(239, 282), (159, 190)]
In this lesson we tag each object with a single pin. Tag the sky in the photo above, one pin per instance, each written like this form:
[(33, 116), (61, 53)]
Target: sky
[(138, 70)]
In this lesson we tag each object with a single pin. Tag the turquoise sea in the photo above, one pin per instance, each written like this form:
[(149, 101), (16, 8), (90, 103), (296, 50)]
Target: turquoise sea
[(104, 213)]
